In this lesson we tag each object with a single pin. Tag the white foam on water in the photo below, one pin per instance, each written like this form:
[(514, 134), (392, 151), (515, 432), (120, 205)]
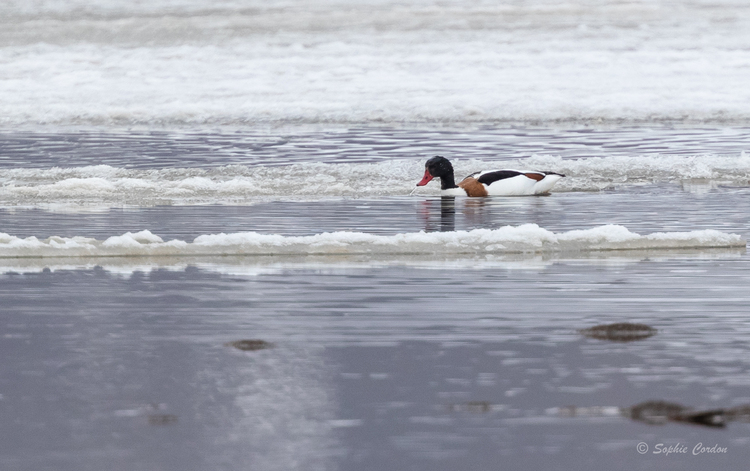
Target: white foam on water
[(344, 264), (594, 173), (527, 238), (382, 61), (108, 186)]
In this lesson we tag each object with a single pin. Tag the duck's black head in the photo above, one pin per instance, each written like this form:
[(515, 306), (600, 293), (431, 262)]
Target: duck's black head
[(438, 167)]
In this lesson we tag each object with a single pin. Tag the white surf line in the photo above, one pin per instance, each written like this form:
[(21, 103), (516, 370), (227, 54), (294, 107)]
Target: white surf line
[(527, 238)]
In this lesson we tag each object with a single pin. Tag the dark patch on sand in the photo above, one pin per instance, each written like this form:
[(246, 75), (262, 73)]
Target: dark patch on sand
[(249, 345), (619, 332)]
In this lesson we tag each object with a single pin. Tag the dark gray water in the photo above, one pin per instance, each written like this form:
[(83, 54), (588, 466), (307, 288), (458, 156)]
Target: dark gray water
[(374, 363), (169, 149)]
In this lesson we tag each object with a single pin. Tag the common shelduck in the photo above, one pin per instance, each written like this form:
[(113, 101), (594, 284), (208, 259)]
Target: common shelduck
[(488, 183)]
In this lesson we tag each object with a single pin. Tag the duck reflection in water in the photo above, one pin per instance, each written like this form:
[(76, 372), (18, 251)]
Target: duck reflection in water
[(447, 214), (447, 220), (475, 212), (472, 210)]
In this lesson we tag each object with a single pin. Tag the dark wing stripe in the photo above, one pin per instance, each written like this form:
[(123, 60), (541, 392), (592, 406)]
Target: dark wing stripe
[(491, 177)]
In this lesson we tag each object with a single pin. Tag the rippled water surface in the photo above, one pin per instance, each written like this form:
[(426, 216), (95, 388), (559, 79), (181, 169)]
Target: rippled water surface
[(364, 362), (283, 146)]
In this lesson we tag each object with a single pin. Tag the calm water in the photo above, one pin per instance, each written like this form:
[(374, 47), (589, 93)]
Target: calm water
[(402, 362)]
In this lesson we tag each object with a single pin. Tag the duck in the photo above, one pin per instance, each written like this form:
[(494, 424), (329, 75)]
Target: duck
[(503, 182)]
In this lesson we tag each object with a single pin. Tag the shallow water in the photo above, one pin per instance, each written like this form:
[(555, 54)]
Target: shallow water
[(421, 361), (370, 367)]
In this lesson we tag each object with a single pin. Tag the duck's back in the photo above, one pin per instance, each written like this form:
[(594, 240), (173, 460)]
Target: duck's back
[(511, 182)]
